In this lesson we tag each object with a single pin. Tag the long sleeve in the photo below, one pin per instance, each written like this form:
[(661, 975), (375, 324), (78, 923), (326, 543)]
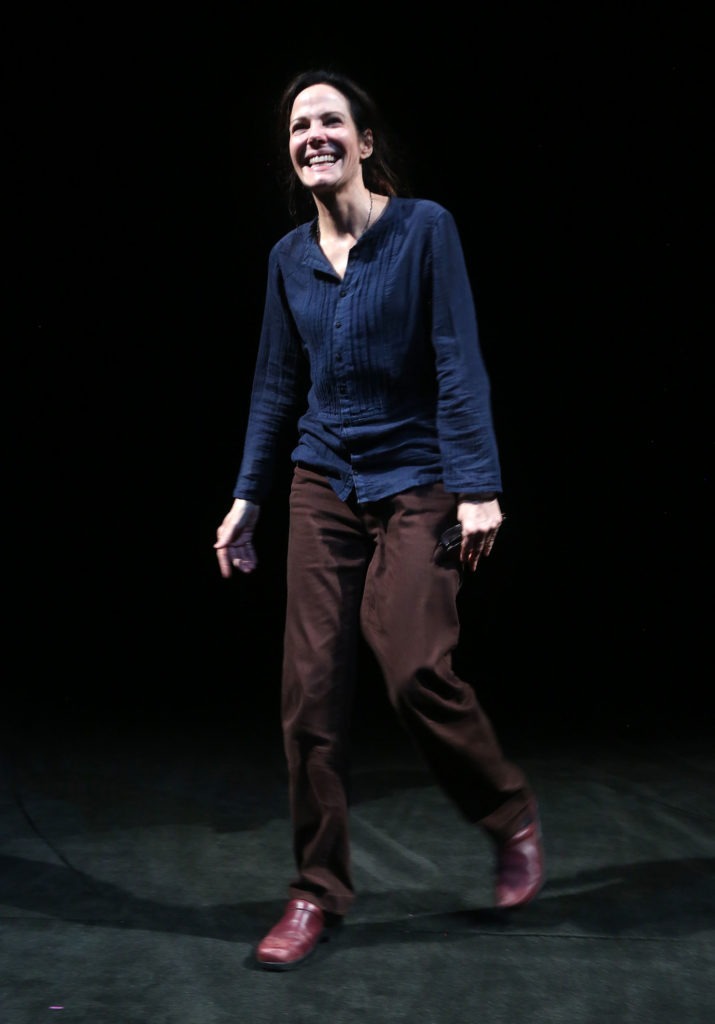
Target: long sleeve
[(275, 393), (465, 427)]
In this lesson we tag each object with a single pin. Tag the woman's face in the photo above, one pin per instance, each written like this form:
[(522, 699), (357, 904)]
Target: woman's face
[(325, 148)]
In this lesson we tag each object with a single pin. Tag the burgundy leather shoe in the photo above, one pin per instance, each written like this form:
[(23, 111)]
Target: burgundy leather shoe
[(294, 938), (520, 864)]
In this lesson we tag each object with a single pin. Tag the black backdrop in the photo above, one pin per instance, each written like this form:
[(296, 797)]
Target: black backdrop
[(143, 203)]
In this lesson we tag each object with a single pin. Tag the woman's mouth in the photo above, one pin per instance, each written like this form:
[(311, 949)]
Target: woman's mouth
[(321, 158)]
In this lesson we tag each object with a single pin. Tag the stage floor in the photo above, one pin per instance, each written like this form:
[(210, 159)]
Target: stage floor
[(141, 863)]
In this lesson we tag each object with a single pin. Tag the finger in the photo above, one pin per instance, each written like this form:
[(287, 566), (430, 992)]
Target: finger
[(244, 557), (224, 562), (244, 564), (490, 540), (470, 556)]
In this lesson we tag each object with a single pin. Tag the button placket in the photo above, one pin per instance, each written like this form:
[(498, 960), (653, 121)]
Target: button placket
[(342, 363)]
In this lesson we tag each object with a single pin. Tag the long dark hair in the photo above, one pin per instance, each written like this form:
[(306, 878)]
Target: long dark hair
[(381, 172)]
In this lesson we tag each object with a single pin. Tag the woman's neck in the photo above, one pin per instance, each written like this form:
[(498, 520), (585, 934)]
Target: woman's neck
[(345, 216)]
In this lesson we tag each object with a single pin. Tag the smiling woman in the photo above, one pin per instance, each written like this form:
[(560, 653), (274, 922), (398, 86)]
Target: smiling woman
[(327, 151), (369, 342), (378, 168)]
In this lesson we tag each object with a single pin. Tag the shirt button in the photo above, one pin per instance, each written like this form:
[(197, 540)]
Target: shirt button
[(338, 324)]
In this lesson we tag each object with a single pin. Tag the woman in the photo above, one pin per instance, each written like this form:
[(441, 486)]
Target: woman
[(369, 342)]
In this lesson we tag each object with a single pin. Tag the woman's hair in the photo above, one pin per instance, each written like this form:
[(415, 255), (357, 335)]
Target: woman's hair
[(380, 170)]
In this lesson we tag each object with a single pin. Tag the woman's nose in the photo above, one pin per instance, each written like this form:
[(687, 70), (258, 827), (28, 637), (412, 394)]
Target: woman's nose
[(316, 132)]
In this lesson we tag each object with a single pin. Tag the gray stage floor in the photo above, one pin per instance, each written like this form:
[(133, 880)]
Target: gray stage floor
[(141, 864)]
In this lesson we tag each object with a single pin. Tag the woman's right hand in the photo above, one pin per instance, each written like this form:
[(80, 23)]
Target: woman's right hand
[(234, 538)]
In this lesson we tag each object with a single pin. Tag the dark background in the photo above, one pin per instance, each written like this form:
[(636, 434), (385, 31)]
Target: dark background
[(570, 146)]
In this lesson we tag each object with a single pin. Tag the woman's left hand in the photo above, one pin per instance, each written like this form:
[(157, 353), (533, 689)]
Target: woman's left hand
[(480, 524)]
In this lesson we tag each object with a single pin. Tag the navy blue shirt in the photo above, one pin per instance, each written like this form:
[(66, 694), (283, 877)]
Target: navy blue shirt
[(381, 371)]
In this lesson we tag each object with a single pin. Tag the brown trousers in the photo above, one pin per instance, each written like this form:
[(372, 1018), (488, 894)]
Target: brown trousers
[(375, 567)]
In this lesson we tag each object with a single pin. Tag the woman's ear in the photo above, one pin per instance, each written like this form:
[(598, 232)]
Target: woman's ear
[(366, 144)]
